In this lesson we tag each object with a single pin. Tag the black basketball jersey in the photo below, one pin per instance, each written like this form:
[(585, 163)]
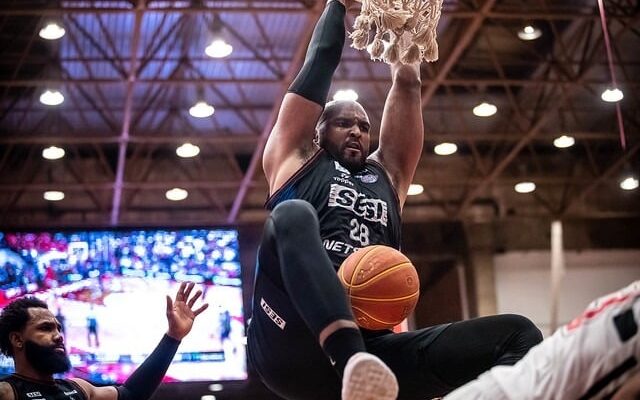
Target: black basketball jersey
[(355, 209), (30, 389)]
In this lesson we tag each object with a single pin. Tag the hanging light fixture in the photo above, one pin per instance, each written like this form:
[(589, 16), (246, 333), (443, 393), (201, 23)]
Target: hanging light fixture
[(524, 187), (415, 189), (53, 153), (201, 109), (629, 183), (346, 94), (52, 31), (51, 97), (219, 48), (484, 109), (176, 194), (564, 141), (187, 150), (445, 149), (53, 195), (529, 32), (612, 95)]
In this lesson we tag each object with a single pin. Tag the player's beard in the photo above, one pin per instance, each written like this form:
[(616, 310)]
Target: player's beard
[(344, 156), (46, 359), (353, 164)]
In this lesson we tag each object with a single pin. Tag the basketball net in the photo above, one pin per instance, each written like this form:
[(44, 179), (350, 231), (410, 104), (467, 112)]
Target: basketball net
[(403, 30)]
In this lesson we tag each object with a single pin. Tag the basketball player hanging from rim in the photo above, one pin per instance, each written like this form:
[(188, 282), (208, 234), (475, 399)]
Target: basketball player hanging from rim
[(329, 196)]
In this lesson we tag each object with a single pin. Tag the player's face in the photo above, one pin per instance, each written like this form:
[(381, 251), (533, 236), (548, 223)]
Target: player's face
[(44, 343), (346, 135)]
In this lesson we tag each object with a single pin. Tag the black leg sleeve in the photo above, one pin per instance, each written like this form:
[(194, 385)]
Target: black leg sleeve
[(146, 379), (323, 55), (292, 257), (468, 348)]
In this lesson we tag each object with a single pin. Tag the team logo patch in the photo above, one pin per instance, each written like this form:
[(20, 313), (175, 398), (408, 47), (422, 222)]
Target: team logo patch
[(272, 314), (368, 178), (371, 209)]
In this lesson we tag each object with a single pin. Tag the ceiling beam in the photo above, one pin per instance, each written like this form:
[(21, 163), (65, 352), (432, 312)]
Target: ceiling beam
[(557, 102), (127, 113), (450, 11), (85, 137), (472, 28), (426, 82), (594, 183)]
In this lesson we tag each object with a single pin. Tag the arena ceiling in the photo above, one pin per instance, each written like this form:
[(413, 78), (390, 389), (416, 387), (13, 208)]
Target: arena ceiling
[(130, 70)]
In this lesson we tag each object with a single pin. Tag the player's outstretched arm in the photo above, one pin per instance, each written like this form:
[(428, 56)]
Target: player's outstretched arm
[(402, 128), (291, 139), (146, 379), (6, 392)]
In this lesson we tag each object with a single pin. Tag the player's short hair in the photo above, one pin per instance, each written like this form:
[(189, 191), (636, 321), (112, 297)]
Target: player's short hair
[(331, 109), (14, 318)]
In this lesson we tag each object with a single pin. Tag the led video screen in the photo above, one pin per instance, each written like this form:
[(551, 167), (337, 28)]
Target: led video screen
[(108, 288)]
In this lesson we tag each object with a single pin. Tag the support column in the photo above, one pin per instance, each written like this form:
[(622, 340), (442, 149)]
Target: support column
[(482, 290)]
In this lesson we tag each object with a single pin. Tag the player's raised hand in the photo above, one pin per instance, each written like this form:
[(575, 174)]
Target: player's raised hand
[(180, 313)]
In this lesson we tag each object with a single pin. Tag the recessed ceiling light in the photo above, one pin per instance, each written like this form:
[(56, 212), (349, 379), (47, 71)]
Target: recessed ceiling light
[(201, 110), (53, 195), (445, 149), (525, 187), (346, 94), (52, 31), (53, 153), (529, 32), (629, 183), (415, 189), (484, 109), (612, 95), (176, 194), (218, 49), (188, 150), (51, 97), (564, 141)]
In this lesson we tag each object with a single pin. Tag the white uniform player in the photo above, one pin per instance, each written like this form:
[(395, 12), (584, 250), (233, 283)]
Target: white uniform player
[(589, 358)]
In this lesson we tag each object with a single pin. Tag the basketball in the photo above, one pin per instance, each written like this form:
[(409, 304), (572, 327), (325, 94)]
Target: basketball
[(382, 285)]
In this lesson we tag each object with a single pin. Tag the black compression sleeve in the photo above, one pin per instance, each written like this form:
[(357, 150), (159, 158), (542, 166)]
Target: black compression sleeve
[(146, 379), (323, 55)]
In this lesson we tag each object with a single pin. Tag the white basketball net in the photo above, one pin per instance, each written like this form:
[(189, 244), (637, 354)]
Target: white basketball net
[(402, 30)]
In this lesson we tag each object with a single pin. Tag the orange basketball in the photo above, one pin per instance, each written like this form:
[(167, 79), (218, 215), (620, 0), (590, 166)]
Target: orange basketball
[(382, 284)]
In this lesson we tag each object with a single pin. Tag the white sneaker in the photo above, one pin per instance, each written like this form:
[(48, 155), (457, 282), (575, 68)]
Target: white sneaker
[(366, 377)]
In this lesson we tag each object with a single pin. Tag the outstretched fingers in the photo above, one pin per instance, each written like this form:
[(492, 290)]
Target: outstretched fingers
[(180, 294), (195, 297), (169, 304), (200, 310), (188, 290)]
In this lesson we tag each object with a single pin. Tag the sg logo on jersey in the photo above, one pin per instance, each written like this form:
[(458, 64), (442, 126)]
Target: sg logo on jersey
[(374, 210)]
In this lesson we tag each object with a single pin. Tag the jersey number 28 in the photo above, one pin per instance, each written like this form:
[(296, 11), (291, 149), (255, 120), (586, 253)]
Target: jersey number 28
[(359, 232)]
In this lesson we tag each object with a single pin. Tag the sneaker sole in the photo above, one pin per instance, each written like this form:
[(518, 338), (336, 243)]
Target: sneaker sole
[(367, 378)]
